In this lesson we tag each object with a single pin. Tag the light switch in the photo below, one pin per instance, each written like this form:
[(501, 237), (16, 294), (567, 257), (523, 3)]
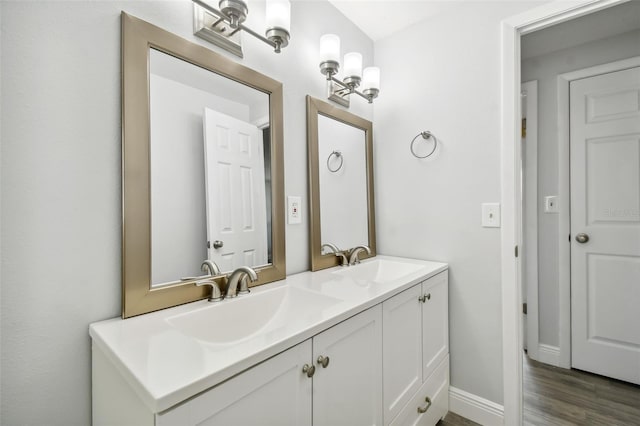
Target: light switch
[(491, 215), (293, 210), (551, 204)]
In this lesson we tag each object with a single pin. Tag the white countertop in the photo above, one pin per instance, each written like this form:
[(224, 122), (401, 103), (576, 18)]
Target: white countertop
[(166, 366)]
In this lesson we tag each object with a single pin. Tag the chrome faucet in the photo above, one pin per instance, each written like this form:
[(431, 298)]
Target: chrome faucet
[(216, 294), (339, 253), (242, 274), (353, 258), (210, 267)]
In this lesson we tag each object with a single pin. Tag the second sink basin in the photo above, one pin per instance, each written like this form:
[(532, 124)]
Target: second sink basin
[(379, 271), (232, 320)]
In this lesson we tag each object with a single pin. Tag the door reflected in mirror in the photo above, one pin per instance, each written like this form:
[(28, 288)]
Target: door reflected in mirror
[(210, 171)]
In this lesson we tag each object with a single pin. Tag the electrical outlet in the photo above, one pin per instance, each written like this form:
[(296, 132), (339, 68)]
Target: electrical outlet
[(293, 210)]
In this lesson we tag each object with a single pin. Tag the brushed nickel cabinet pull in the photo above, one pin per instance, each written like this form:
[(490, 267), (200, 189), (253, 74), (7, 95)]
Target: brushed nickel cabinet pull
[(426, 407), (323, 361), (425, 297), (309, 370)]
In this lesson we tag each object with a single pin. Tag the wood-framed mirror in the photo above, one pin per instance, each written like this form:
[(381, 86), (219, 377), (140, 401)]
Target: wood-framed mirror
[(341, 201), (203, 167)]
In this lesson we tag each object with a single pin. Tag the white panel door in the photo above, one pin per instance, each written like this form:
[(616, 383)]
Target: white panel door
[(236, 206), (401, 350), (349, 390), (605, 207), (273, 393), (435, 322)]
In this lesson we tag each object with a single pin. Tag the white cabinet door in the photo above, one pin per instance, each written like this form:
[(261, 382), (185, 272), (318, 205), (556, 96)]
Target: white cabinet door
[(349, 390), (401, 350), (435, 322), (275, 392)]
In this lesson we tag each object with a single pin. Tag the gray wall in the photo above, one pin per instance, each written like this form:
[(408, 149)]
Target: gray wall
[(430, 209), (61, 208), (545, 69)]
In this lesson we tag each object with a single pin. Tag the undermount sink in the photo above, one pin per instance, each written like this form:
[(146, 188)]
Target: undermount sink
[(379, 271), (232, 320)]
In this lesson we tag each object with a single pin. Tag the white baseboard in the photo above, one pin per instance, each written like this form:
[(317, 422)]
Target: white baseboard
[(475, 408), (549, 354)]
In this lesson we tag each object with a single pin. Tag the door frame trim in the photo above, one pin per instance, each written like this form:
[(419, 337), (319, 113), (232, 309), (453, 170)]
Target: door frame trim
[(564, 193), (512, 28), (530, 219)]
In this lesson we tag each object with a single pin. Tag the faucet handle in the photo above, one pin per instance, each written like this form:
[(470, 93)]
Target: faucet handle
[(216, 294)]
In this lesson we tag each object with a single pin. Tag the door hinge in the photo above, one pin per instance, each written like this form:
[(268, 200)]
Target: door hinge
[(516, 251), (524, 128), (524, 308), (569, 237)]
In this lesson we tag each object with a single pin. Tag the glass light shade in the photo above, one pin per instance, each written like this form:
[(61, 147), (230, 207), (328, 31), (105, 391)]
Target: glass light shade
[(279, 14), (330, 48), (353, 64), (371, 78)]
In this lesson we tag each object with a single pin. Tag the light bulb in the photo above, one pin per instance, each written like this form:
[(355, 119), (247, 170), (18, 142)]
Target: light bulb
[(371, 78), (278, 14), (330, 48), (353, 65)]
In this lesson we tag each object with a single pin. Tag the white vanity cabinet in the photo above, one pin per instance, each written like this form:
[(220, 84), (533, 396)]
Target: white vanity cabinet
[(345, 390), (371, 358), (415, 353)]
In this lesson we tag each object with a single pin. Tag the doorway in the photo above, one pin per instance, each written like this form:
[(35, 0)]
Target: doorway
[(543, 17)]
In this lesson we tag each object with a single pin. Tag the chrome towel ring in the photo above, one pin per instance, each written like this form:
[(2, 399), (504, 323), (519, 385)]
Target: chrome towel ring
[(338, 155), (425, 135)]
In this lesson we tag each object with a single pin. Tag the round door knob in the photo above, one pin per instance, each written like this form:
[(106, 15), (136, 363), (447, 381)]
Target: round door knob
[(582, 238), (218, 244)]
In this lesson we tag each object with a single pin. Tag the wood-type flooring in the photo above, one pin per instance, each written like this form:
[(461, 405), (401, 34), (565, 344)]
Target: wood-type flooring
[(559, 397)]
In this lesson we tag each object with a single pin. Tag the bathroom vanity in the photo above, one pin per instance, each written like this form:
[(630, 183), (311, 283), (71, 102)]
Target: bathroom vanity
[(357, 345), (366, 344)]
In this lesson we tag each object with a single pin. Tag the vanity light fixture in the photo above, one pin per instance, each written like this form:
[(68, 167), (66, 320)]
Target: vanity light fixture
[(231, 15), (339, 90)]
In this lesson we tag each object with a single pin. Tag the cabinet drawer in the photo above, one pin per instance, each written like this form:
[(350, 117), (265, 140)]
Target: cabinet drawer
[(437, 389)]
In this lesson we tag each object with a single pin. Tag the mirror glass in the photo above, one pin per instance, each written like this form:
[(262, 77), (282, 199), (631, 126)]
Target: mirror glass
[(209, 170), (202, 169), (341, 182)]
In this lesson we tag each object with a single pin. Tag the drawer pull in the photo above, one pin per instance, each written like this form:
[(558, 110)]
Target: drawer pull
[(323, 361), (309, 370), (425, 297), (426, 407)]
